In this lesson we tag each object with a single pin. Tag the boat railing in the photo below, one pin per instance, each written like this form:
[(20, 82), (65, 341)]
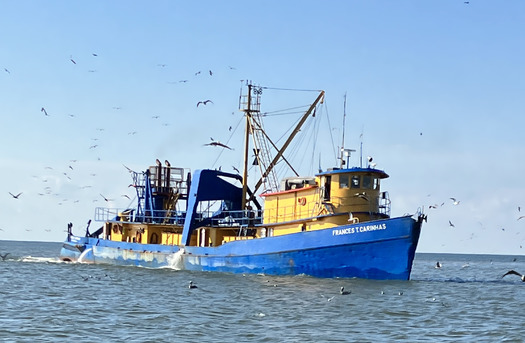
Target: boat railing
[(213, 218), (235, 218), (129, 215), (384, 203)]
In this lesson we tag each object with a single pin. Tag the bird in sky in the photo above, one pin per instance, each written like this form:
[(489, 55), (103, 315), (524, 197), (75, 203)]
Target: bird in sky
[(211, 73), (7, 71), (15, 196), (521, 217), (513, 272), (94, 55), (450, 224), (237, 170), (106, 199), (44, 110), (72, 60), (454, 201), (219, 144), (205, 102)]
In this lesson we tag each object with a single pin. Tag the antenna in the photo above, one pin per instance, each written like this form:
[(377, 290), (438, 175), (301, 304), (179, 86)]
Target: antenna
[(343, 143), (361, 150)]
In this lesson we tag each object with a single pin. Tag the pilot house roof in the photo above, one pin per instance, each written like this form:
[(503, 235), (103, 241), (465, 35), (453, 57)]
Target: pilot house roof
[(381, 174)]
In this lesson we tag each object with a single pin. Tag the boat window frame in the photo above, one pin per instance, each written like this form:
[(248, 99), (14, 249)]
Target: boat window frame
[(367, 181), (355, 181), (344, 181)]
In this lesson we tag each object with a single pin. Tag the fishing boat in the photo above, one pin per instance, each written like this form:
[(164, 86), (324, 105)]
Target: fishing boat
[(335, 223)]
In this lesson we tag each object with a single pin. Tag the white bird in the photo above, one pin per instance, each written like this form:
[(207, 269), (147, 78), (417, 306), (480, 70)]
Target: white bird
[(454, 201)]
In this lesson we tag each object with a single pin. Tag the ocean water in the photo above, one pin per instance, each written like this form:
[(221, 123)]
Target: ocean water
[(466, 300)]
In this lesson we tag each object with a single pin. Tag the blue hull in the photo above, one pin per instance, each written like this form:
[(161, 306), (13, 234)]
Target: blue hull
[(381, 249)]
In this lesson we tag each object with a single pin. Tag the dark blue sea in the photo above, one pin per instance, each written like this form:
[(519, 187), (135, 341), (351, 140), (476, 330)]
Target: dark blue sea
[(466, 300)]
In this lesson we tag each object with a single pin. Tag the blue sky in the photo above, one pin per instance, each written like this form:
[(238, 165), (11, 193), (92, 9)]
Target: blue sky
[(434, 90)]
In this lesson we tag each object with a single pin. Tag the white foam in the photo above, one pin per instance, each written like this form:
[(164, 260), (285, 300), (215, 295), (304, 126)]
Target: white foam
[(175, 260)]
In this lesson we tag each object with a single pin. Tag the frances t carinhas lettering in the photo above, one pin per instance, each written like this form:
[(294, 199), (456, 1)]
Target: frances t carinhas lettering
[(358, 229)]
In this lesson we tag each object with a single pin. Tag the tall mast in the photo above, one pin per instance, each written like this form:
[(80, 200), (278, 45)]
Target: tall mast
[(246, 147)]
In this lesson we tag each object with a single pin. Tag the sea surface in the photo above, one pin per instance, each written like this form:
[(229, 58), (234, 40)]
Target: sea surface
[(466, 300)]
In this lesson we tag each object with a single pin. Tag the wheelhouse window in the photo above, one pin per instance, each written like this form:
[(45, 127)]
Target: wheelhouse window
[(356, 182), (367, 181), (343, 181)]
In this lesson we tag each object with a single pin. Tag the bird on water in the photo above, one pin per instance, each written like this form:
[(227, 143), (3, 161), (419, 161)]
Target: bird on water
[(343, 292), (192, 285)]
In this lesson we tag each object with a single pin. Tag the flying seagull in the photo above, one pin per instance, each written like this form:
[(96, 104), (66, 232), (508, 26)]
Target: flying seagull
[(205, 102), (454, 201), (450, 223), (219, 144), (15, 196), (44, 110), (515, 273)]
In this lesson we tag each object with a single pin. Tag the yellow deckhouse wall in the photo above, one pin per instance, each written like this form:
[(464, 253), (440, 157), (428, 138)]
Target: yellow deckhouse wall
[(290, 205), (355, 192)]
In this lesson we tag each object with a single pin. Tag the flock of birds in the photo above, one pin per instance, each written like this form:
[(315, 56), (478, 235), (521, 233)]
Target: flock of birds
[(510, 272), (52, 175), (455, 202)]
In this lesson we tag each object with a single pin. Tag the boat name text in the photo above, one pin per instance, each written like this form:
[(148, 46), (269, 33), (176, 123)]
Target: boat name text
[(358, 229)]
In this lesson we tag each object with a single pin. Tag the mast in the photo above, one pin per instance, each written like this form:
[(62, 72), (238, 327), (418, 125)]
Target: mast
[(246, 147)]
